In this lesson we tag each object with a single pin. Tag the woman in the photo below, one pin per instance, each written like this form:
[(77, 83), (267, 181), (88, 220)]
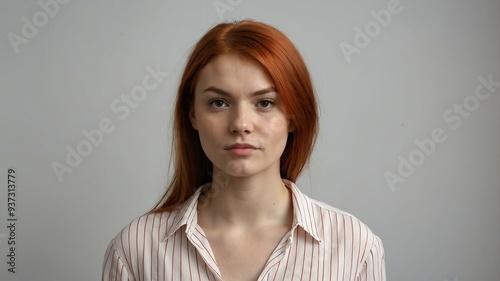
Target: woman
[(244, 127)]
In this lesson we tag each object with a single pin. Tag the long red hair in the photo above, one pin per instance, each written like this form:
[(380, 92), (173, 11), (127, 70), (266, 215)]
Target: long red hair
[(277, 54)]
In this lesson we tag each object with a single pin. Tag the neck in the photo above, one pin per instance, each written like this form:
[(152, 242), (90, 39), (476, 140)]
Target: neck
[(247, 202)]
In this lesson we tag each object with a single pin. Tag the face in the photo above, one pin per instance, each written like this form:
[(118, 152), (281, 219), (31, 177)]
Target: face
[(240, 118)]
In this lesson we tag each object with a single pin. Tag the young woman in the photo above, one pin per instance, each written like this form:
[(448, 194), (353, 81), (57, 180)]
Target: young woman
[(244, 127)]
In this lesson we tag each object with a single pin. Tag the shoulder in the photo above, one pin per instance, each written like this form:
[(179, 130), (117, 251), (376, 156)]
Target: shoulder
[(125, 252), (341, 219), (327, 220), (353, 238), (146, 227), (142, 234), (344, 231)]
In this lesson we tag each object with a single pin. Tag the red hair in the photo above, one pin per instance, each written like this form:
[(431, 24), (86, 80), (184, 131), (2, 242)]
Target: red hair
[(277, 54)]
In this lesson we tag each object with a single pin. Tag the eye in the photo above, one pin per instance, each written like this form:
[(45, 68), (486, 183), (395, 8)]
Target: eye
[(218, 103), (265, 103)]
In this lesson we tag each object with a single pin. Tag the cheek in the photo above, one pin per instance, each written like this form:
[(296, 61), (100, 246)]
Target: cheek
[(209, 131), (277, 126)]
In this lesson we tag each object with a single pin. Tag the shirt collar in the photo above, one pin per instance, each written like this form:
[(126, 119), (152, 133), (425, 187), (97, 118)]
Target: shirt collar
[(303, 212), (186, 214)]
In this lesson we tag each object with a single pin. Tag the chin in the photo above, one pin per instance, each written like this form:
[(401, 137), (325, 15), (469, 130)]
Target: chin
[(237, 170), (240, 173)]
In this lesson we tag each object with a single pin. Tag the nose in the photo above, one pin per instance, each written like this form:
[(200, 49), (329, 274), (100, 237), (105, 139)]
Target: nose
[(241, 120)]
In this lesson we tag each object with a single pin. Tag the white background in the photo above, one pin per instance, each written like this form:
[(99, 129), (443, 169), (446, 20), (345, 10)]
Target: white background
[(441, 223)]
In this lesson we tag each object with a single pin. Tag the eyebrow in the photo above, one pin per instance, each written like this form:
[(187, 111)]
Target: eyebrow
[(224, 93)]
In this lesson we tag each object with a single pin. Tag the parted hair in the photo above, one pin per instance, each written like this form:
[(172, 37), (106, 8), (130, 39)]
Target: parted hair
[(284, 64)]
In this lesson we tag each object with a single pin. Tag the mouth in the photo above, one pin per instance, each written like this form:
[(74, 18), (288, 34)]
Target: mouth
[(240, 146), (241, 149)]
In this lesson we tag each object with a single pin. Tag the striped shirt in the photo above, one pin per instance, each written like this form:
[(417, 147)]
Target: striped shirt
[(324, 243)]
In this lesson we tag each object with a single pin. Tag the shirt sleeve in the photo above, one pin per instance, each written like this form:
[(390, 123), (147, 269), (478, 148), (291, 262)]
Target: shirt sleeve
[(373, 267), (113, 268)]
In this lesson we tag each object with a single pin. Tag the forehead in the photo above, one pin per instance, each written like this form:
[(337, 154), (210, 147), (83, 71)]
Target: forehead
[(234, 73)]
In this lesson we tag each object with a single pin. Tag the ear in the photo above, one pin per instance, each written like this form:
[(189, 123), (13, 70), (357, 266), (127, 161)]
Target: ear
[(192, 116)]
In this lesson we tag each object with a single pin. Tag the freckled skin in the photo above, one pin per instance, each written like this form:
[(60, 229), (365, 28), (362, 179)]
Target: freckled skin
[(249, 210), (239, 117)]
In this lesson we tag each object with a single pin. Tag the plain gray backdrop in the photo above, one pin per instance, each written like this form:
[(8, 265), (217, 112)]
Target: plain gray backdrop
[(409, 132)]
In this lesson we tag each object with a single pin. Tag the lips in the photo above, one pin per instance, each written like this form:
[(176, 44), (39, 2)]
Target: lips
[(241, 149), (240, 146)]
